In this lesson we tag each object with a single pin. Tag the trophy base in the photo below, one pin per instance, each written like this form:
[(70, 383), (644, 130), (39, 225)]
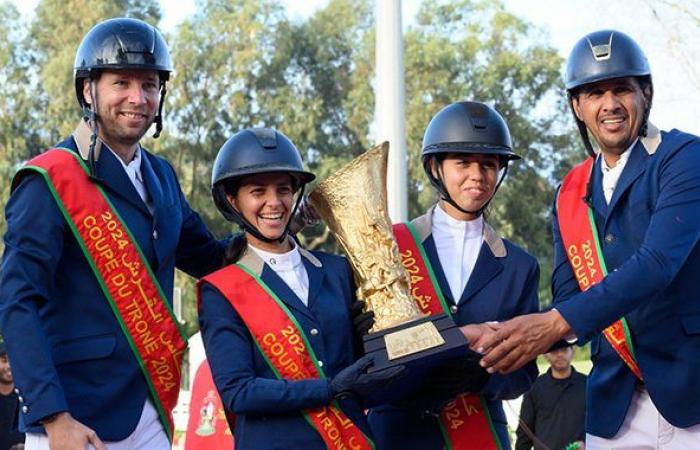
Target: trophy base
[(419, 346), (428, 341)]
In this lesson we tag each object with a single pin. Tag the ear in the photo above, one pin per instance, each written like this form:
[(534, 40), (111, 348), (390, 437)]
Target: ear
[(647, 92), (576, 107), (233, 201), (434, 167), (86, 91)]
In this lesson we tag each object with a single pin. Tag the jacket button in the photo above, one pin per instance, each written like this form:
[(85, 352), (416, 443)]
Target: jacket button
[(155, 234), (25, 409), (313, 332), (320, 363), (454, 309), (17, 391), (609, 238), (20, 399)]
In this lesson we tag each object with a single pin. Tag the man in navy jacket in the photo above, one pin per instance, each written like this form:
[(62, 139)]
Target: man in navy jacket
[(77, 377), (643, 192)]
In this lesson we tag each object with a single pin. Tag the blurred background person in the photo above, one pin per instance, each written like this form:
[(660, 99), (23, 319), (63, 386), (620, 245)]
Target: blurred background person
[(10, 437), (552, 415)]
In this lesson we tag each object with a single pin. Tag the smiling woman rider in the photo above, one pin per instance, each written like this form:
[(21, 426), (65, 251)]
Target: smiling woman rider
[(276, 319)]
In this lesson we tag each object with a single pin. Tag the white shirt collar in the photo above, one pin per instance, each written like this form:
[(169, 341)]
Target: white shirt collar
[(611, 175), (133, 169), (470, 228), (280, 261), (622, 160)]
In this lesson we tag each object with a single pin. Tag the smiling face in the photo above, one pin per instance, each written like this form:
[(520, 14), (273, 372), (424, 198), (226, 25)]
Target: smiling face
[(613, 111), (266, 201), (127, 103), (470, 180)]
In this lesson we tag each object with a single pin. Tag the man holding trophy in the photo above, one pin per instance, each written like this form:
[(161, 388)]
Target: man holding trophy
[(445, 269)]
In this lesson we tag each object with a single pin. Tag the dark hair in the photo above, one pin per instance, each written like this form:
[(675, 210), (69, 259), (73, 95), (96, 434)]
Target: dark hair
[(235, 248)]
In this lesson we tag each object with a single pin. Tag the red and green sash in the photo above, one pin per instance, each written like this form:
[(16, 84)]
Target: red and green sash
[(285, 348), (465, 422), (580, 237), (123, 273)]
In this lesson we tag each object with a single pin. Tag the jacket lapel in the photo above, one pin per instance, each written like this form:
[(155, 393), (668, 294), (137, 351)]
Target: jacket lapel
[(114, 178), (316, 274), (153, 186), (284, 293), (431, 252), (155, 193), (633, 169), (486, 268), (600, 207)]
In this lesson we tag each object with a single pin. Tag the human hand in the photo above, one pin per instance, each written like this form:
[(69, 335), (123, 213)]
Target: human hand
[(362, 320), (476, 333), (519, 340), (459, 376), (66, 433), (304, 216), (354, 379), (444, 383)]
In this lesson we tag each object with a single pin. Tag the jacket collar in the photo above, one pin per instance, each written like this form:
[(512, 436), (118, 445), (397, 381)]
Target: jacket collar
[(313, 269), (424, 227), (82, 135), (636, 165), (256, 264), (652, 140)]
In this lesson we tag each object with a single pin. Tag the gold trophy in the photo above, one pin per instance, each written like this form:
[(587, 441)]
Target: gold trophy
[(353, 204)]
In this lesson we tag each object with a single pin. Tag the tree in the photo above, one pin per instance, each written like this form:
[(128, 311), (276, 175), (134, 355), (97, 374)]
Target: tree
[(17, 121)]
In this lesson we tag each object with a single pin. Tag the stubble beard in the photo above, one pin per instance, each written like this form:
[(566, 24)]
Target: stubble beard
[(112, 131)]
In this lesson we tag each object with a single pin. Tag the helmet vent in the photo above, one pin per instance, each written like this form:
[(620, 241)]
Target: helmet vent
[(601, 52), (266, 136), (479, 115)]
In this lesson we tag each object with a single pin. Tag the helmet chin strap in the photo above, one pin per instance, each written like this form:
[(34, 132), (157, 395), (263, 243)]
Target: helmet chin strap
[(92, 122), (159, 118), (253, 230)]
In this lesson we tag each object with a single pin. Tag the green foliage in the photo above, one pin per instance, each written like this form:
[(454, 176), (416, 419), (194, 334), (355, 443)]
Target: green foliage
[(243, 63)]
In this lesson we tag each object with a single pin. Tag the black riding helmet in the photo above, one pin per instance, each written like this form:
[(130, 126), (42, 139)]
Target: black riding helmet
[(466, 127), (249, 152), (115, 44), (605, 55)]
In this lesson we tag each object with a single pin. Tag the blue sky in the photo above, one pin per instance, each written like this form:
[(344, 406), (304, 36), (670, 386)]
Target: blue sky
[(671, 41)]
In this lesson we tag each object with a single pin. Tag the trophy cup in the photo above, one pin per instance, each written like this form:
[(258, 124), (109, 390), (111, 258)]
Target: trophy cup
[(353, 204)]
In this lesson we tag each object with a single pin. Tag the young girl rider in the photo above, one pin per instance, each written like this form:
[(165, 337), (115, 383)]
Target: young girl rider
[(473, 275), (276, 319)]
